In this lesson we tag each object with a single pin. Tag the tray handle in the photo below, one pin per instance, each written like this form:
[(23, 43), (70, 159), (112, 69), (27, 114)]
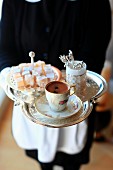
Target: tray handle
[(100, 92)]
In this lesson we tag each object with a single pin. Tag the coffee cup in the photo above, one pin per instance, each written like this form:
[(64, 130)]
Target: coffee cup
[(57, 94)]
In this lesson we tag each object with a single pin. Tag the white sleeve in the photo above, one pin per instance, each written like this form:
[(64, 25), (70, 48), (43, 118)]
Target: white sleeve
[(3, 75), (108, 64)]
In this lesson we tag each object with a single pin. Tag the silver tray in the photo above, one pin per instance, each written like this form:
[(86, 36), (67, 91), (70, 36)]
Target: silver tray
[(31, 112), (95, 87), (19, 97)]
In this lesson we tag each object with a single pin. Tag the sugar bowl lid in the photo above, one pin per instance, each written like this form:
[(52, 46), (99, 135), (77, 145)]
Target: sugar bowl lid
[(76, 68)]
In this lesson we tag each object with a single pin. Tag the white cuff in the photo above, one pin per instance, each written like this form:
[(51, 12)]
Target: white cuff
[(107, 64), (5, 71), (32, 0), (3, 75)]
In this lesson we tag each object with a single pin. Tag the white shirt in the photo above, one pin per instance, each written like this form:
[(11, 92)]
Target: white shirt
[(32, 0)]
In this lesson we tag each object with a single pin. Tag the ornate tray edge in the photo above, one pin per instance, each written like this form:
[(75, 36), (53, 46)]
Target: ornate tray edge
[(25, 111)]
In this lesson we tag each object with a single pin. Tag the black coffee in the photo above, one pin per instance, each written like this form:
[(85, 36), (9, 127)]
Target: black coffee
[(57, 87)]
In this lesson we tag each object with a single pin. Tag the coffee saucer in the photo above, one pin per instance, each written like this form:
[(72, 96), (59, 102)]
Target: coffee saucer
[(73, 106)]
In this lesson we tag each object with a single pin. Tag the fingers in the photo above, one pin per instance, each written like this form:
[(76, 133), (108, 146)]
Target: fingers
[(101, 108), (106, 104)]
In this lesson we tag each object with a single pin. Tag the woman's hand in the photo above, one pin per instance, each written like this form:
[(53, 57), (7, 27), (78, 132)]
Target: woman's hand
[(105, 102)]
